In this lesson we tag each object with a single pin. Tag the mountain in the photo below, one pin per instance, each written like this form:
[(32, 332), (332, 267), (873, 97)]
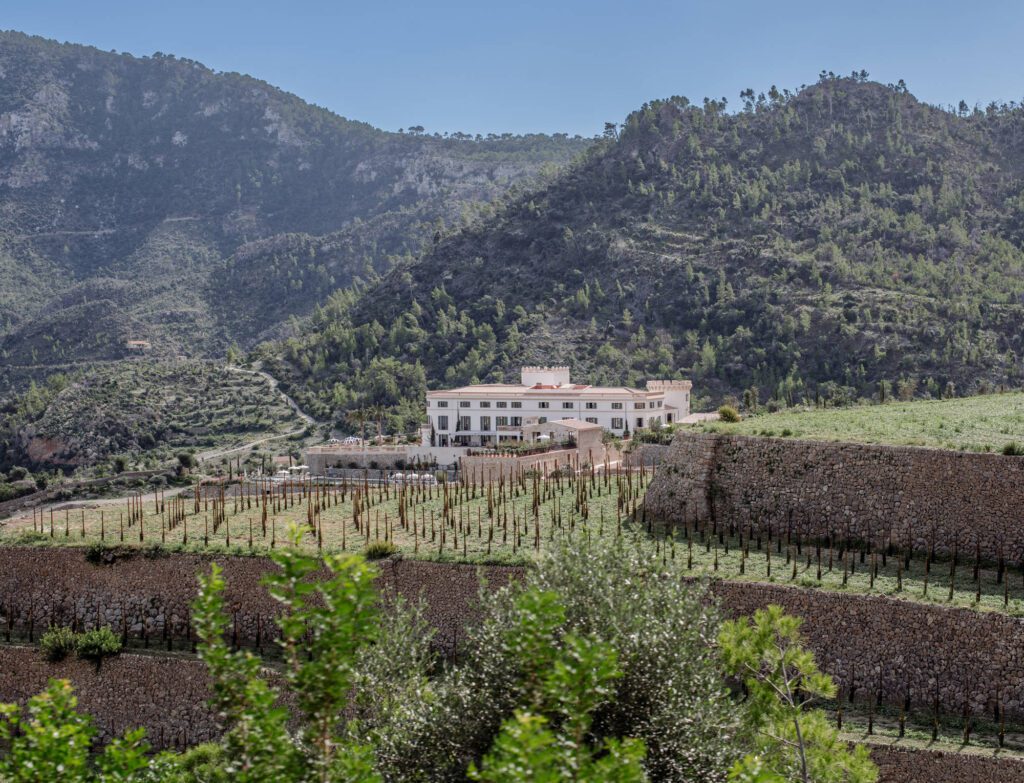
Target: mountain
[(153, 198), (826, 245)]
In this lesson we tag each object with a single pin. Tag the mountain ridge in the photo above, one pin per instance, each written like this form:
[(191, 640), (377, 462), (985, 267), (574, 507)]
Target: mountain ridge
[(813, 245), (113, 166)]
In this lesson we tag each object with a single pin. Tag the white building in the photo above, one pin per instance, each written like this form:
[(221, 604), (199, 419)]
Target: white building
[(483, 414)]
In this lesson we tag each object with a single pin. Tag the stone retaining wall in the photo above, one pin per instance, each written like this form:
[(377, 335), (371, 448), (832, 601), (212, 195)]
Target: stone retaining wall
[(149, 597), (884, 494), (906, 765), (165, 695), (897, 648)]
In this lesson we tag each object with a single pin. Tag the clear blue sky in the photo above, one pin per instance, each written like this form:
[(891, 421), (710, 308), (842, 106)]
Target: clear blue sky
[(559, 65)]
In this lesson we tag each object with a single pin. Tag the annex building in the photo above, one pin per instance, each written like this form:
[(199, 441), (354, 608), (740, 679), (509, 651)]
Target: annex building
[(483, 415)]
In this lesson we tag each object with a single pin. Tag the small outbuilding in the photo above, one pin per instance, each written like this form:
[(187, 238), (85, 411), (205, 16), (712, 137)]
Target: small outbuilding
[(586, 435)]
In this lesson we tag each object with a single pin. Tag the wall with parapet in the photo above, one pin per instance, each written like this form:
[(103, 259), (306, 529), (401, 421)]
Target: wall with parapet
[(883, 494)]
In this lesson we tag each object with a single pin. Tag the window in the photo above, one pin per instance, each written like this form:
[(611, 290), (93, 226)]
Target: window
[(591, 406), (639, 422), (639, 405), (485, 404), (616, 424), (464, 425), (517, 404), (442, 403), (543, 405), (464, 404), (517, 421), (616, 406), (568, 406), (485, 423), (592, 419), (442, 422), (501, 421), (501, 404), (542, 420)]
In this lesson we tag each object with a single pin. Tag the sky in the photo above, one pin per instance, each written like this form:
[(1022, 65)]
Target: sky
[(525, 66)]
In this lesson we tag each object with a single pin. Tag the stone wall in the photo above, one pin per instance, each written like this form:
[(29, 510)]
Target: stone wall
[(905, 765), (492, 467), (883, 494), (165, 695), (168, 697), (961, 656), (898, 648), (148, 598)]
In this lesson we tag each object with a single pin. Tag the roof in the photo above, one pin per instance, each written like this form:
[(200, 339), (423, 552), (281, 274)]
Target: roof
[(540, 391)]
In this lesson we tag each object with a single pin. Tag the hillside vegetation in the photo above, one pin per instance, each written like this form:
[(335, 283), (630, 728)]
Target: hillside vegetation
[(983, 423), (154, 198), (141, 412), (811, 245)]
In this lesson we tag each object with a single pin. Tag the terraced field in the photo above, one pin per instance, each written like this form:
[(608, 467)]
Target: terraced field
[(982, 423)]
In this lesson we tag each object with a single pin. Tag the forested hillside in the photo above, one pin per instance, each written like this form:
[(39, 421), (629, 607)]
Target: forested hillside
[(152, 198), (813, 244)]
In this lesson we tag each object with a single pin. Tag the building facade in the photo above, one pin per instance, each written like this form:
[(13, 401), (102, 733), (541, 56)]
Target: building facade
[(486, 414)]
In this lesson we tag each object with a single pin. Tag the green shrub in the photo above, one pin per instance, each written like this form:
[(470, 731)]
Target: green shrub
[(1013, 449), (379, 550), (57, 643), (98, 644), (729, 414), (98, 553)]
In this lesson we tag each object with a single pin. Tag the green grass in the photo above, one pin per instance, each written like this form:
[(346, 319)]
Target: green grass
[(469, 533), (984, 423), (705, 556)]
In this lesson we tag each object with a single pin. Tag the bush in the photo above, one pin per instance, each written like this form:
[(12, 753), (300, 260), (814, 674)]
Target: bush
[(1013, 449), (57, 643), (729, 414), (98, 644), (379, 550), (670, 693), (98, 553)]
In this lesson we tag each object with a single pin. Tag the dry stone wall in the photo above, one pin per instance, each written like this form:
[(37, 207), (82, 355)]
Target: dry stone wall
[(902, 496), (904, 765), (148, 598), (165, 695), (876, 645), (898, 649)]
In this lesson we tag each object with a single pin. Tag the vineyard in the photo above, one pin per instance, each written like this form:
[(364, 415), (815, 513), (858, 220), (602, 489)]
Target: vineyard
[(473, 519)]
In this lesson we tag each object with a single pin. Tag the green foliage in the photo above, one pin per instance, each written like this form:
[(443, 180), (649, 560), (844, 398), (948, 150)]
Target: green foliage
[(324, 626), (874, 260), (57, 643), (668, 693), (728, 414), (980, 423), (752, 769), (377, 550), (137, 410), (97, 644), (566, 684), (243, 230), (1013, 449), (48, 740), (782, 681)]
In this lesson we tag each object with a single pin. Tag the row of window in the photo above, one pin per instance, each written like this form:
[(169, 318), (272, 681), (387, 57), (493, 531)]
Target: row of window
[(544, 405), (465, 423)]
